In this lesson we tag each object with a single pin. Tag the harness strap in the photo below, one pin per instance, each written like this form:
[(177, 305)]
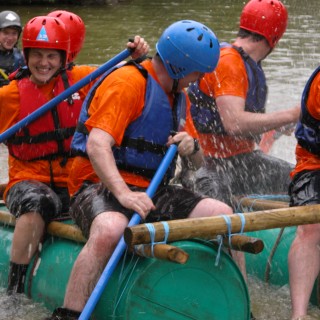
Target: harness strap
[(59, 134), (141, 145)]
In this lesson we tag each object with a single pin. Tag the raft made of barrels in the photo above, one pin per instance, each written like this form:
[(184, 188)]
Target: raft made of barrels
[(140, 288)]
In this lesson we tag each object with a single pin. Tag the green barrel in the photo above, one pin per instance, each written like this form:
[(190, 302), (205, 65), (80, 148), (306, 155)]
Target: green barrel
[(271, 265), (143, 288)]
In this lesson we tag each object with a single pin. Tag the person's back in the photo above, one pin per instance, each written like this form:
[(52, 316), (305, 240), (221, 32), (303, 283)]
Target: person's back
[(11, 58), (228, 110)]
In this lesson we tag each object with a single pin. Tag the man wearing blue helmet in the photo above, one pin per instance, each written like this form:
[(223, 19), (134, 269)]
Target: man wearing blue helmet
[(126, 125)]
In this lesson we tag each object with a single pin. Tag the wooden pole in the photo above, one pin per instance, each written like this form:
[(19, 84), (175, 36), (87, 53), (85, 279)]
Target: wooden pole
[(210, 227), (244, 243), (162, 251), (62, 230), (260, 204), (2, 188), (55, 228)]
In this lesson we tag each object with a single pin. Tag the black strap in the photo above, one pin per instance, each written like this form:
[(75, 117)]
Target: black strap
[(66, 85), (59, 134), (82, 128), (142, 145)]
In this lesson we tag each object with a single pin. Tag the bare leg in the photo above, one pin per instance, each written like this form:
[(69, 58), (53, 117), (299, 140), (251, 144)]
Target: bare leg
[(106, 230), (26, 237), (304, 266)]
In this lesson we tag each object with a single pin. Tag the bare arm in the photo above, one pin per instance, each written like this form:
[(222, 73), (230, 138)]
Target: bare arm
[(237, 121), (99, 148)]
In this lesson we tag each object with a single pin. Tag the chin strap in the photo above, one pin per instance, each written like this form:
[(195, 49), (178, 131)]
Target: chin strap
[(175, 85)]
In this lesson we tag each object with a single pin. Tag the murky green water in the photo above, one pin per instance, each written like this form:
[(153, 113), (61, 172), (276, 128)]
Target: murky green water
[(287, 69)]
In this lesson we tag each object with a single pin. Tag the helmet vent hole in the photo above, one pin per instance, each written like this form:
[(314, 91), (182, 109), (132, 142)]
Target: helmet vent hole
[(211, 44), (200, 37), (190, 29), (176, 70)]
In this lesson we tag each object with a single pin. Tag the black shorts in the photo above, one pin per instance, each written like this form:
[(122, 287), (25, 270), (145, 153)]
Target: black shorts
[(34, 196), (305, 189), (172, 202)]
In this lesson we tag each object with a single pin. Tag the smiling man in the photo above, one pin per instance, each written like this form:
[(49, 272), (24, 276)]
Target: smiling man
[(39, 154)]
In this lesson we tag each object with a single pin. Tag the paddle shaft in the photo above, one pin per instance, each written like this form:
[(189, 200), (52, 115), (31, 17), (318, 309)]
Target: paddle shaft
[(210, 227), (65, 94), (120, 248)]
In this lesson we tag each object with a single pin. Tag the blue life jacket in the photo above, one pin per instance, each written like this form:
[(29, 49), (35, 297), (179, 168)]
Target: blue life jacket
[(308, 128), (144, 142), (204, 111)]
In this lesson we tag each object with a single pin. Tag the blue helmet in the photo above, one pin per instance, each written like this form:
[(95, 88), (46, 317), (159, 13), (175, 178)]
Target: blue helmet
[(188, 46)]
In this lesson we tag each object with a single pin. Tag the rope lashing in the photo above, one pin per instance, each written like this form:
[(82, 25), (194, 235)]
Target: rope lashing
[(220, 237), (152, 232)]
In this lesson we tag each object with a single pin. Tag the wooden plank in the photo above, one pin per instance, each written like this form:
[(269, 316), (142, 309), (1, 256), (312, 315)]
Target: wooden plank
[(162, 251), (55, 228), (210, 227)]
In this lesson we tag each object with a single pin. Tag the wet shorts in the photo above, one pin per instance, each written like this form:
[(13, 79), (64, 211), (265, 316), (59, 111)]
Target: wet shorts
[(34, 196), (305, 189), (172, 202)]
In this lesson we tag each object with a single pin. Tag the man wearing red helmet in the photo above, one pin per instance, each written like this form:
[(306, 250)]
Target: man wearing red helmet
[(228, 109), (39, 155), (76, 29)]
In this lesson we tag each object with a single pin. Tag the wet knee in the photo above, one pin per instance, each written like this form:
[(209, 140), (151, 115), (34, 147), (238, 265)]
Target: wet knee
[(102, 243), (309, 234)]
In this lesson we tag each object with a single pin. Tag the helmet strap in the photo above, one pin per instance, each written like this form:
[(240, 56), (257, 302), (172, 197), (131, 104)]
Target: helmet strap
[(175, 85)]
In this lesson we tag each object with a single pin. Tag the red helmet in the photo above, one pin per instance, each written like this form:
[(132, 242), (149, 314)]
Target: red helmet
[(265, 17), (76, 30), (45, 33)]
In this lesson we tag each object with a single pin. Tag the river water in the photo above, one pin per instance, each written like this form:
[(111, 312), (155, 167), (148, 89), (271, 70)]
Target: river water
[(287, 69)]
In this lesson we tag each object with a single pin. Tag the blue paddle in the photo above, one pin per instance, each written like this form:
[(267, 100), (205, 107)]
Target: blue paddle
[(120, 248), (65, 94)]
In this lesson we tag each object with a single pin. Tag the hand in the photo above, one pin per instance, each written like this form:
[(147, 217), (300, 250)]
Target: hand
[(184, 141), (140, 47), (139, 202)]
